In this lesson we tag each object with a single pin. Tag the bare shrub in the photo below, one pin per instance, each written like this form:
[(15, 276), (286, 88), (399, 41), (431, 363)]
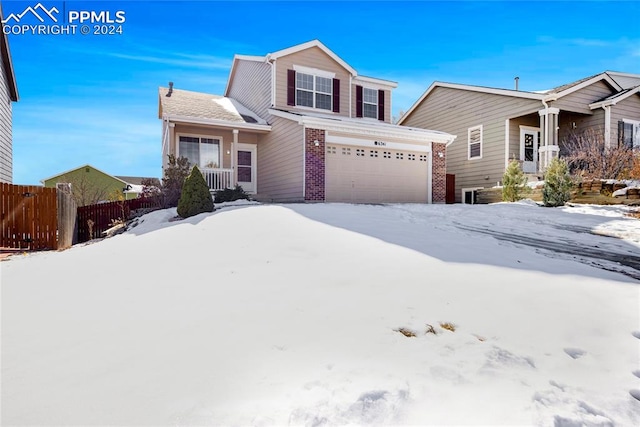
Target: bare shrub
[(586, 155)]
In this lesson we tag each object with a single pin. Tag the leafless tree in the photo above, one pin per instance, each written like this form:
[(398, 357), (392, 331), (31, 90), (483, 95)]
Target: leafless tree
[(586, 154), (85, 191)]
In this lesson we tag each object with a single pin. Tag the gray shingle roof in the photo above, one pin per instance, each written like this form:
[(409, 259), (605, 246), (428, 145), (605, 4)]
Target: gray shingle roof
[(205, 106)]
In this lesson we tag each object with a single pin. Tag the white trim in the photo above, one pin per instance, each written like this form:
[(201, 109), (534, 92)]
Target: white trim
[(201, 136), (377, 83), (614, 101), (469, 130), (464, 190), (351, 87), (253, 148), (430, 176), (599, 77), (536, 144), (374, 129), (607, 125), (214, 122), (274, 70), (254, 58), (377, 94), (315, 91), (304, 162), (549, 110), (359, 142), (310, 44), (314, 71)]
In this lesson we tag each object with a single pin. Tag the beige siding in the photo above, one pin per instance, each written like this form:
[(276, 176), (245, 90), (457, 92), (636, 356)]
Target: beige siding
[(626, 109), (582, 122), (251, 85), (6, 148), (579, 101), (314, 58), (208, 132), (280, 162), (454, 111)]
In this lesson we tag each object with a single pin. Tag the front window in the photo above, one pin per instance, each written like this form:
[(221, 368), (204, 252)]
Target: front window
[(370, 103), (629, 134), (203, 152), (313, 91)]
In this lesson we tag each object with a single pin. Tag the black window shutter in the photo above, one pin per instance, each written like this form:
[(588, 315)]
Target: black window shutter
[(336, 95), (381, 105), (291, 87), (358, 101), (620, 133)]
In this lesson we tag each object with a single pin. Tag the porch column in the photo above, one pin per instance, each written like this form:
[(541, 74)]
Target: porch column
[(549, 147), (234, 144), (607, 126)]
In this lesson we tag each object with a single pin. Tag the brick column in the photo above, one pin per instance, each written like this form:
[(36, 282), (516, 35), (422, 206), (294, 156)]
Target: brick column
[(438, 173), (314, 165)]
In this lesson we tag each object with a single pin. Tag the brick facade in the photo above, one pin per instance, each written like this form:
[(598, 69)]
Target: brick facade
[(439, 173), (314, 165)]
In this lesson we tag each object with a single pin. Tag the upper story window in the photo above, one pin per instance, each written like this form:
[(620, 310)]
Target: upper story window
[(475, 142), (370, 103), (315, 90)]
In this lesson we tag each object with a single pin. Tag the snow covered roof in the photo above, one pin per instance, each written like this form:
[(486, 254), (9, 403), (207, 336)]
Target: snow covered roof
[(186, 103)]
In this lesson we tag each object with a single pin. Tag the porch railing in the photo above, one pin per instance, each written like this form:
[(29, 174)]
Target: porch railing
[(218, 179)]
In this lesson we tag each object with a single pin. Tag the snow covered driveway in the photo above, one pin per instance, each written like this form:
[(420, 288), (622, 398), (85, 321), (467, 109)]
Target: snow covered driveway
[(289, 314)]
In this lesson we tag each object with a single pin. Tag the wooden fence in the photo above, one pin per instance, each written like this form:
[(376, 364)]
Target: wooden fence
[(28, 217), (102, 215)]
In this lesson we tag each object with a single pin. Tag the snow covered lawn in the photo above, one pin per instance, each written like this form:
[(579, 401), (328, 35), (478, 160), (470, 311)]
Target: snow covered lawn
[(289, 314)]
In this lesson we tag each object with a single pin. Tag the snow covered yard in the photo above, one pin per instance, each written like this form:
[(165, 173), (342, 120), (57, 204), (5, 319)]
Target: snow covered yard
[(289, 314)]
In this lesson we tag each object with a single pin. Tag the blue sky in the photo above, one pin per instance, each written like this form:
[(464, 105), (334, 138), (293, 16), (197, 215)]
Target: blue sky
[(93, 98)]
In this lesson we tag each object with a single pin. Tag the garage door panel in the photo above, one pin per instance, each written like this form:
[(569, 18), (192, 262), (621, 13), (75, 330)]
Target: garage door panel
[(359, 175)]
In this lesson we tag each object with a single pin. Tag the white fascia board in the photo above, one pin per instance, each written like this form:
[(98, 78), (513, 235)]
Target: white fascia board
[(374, 81), (310, 44), (314, 71), (360, 142), (482, 89), (603, 76), (368, 129), (214, 122), (614, 101)]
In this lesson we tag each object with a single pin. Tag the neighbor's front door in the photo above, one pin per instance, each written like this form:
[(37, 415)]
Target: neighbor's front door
[(246, 166), (529, 143)]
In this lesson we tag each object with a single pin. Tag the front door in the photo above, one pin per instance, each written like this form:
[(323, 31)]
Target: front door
[(529, 144), (246, 166)]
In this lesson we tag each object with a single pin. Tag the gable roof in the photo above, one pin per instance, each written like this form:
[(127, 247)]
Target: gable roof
[(8, 64), (80, 167), (615, 98), (270, 57), (197, 105), (546, 95)]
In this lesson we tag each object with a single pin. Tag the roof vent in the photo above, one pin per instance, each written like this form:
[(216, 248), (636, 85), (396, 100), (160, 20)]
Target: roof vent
[(170, 89), (517, 79)]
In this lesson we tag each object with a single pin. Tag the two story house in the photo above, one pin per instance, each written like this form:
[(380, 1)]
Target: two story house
[(300, 124), (495, 126)]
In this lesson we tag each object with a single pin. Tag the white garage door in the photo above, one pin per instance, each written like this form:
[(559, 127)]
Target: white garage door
[(375, 175)]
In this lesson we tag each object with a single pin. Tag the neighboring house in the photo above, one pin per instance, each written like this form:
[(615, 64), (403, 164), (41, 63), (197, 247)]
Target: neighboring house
[(495, 126), (8, 94), (300, 124), (90, 185)]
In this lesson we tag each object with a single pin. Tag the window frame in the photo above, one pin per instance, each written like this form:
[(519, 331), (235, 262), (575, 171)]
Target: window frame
[(315, 91), (364, 102), (635, 134), (200, 144), (470, 143)]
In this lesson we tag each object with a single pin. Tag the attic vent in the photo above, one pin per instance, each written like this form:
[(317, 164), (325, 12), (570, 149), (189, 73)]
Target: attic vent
[(170, 89)]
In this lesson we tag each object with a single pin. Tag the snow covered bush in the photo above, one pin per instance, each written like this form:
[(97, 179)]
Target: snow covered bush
[(514, 183), (195, 197), (557, 184), (231, 195)]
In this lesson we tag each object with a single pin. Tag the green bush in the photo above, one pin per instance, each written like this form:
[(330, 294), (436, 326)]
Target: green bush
[(195, 197), (231, 194), (557, 184), (514, 183)]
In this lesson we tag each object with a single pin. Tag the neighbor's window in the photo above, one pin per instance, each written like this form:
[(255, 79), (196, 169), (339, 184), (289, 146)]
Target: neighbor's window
[(314, 91), (475, 142), (204, 152), (629, 134), (370, 103)]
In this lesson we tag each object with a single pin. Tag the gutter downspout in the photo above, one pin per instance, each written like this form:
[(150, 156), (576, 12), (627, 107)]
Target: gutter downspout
[(607, 125), (273, 79)]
